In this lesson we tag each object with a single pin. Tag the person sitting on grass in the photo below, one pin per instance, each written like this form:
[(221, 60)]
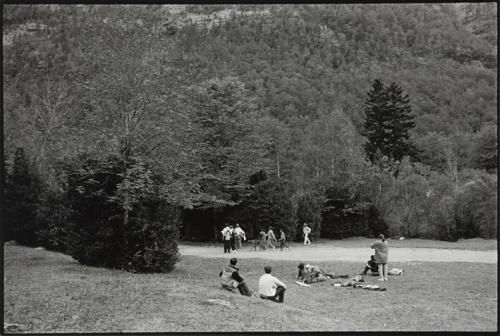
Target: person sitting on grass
[(371, 265), (312, 273), (270, 288), (231, 279)]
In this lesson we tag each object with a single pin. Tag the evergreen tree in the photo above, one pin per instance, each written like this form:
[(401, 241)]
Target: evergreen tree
[(387, 122)]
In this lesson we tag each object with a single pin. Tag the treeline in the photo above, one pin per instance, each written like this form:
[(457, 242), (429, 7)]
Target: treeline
[(121, 105)]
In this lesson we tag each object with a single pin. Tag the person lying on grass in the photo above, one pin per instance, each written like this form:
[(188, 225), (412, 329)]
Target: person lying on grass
[(371, 265), (312, 273), (270, 288), (231, 279)]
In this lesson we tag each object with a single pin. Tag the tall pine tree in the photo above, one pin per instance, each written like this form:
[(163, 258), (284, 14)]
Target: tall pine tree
[(388, 120)]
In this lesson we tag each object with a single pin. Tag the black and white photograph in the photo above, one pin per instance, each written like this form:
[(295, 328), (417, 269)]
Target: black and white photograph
[(231, 167)]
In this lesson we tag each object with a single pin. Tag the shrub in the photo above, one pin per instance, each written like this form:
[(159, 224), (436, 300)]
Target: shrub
[(308, 211), (97, 233), (52, 215), (347, 215), (267, 205), (22, 190)]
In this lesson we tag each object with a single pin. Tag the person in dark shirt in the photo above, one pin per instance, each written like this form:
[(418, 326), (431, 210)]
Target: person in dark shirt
[(372, 266)]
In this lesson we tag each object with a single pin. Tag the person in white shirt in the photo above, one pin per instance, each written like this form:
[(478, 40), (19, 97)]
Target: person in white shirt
[(226, 237), (240, 234), (306, 230), (270, 288)]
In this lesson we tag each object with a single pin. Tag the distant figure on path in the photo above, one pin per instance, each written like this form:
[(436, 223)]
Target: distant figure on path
[(271, 238), (306, 231), (283, 240), (226, 237), (381, 254), (270, 288), (231, 279), (240, 234), (233, 239), (263, 238)]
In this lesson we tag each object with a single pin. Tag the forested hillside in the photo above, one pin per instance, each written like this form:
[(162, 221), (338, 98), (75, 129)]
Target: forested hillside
[(207, 96)]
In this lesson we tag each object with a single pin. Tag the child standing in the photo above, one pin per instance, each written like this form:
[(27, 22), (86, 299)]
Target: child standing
[(283, 240)]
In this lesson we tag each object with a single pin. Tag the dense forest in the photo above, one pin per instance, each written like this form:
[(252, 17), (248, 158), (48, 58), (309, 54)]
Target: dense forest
[(255, 112)]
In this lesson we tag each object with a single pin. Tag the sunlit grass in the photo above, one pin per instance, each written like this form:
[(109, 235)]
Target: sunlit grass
[(50, 292)]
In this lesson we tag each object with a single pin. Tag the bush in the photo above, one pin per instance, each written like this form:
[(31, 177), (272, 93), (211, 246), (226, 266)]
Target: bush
[(267, 205), (52, 216), (308, 211), (96, 232), (348, 215), (22, 190)]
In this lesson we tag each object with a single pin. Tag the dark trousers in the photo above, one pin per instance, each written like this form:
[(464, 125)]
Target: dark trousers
[(244, 290), (233, 247), (278, 297), (374, 271), (227, 246), (283, 244)]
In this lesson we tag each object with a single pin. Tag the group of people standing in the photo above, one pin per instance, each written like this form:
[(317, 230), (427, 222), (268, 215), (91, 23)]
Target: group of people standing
[(233, 238), (268, 239)]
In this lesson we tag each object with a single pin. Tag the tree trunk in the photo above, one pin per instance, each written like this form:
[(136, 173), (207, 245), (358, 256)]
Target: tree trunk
[(277, 162)]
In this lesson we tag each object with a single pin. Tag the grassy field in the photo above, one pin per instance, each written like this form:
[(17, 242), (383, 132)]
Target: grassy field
[(50, 292)]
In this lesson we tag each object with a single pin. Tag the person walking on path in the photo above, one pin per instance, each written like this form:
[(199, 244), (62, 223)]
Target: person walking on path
[(270, 288), (381, 254), (233, 239), (226, 237), (283, 240), (231, 279), (271, 238), (306, 231), (240, 234), (263, 238)]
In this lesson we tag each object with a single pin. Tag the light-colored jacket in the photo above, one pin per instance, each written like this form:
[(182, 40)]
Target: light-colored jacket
[(381, 251), (268, 285), (226, 277)]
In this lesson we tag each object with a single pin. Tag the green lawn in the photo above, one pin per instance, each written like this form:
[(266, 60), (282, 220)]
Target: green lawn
[(50, 292)]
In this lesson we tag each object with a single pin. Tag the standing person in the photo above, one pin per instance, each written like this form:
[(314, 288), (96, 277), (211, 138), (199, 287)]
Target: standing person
[(381, 254), (226, 237), (233, 238), (230, 278), (270, 288), (283, 240), (306, 231), (240, 234), (271, 238), (263, 237)]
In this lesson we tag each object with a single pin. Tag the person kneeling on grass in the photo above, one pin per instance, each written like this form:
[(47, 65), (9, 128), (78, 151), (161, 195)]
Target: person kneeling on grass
[(312, 273), (371, 265), (231, 279), (270, 288)]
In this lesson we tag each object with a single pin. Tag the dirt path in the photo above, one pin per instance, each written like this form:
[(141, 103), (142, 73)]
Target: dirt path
[(326, 253)]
